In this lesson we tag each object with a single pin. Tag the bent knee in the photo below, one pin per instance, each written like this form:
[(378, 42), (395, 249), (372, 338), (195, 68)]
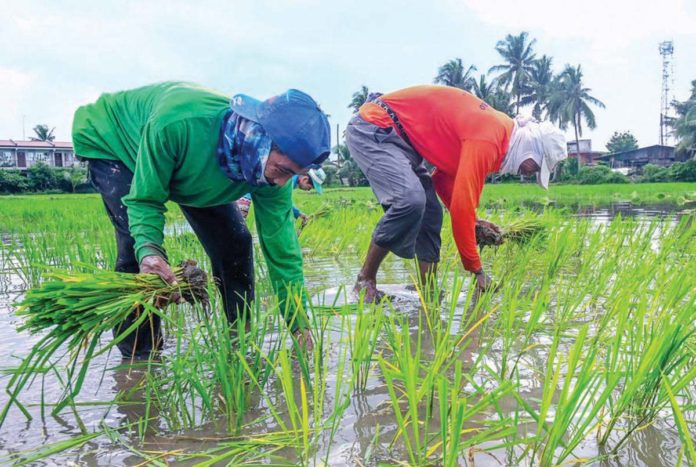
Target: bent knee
[(411, 206)]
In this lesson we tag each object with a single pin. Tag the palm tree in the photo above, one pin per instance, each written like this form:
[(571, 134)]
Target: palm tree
[(452, 74), (342, 156), (493, 94), (538, 88), (518, 55), (684, 123), (43, 133), (482, 89), (570, 103), (359, 98)]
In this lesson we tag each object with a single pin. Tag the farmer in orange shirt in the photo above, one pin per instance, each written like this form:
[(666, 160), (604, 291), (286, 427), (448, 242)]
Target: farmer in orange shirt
[(466, 140)]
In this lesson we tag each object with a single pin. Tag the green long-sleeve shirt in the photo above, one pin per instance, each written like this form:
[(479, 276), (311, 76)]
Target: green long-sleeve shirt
[(167, 135)]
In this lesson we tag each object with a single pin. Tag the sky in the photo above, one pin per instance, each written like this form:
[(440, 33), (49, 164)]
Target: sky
[(56, 56)]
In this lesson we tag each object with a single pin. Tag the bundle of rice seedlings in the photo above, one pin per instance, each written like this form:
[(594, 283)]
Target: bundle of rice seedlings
[(521, 230), (518, 231), (75, 309), (324, 210)]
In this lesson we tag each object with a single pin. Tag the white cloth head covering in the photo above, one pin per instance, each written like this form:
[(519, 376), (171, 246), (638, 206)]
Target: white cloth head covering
[(318, 176), (542, 142)]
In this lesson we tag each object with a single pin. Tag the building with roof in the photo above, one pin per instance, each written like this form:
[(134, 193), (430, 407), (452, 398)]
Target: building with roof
[(664, 156), (21, 155), (586, 155)]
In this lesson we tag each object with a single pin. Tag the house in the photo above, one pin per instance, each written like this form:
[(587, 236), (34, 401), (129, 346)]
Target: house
[(587, 155), (20, 155), (663, 156)]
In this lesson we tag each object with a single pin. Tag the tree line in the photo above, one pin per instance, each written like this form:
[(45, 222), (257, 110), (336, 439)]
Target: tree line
[(41, 178)]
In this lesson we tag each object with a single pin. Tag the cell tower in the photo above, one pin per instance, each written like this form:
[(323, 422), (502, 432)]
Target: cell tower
[(666, 51)]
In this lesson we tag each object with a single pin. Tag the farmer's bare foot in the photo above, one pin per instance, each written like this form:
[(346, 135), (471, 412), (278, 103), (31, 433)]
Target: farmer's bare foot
[(370, 288)]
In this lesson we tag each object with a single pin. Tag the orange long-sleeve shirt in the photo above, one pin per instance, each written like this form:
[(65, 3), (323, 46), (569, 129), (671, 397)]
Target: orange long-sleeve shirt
[(463, 137)]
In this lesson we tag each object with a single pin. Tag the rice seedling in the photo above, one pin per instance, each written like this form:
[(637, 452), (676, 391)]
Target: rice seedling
[(583, 393), (649, 348), (684, 432), (76, 309), (300, 407), (588, 340), (363, 338), (418, 380), (34, 456), (519, 230)]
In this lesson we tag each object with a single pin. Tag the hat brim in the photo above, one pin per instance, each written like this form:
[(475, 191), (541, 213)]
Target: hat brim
[(544, 175), (246, 106)]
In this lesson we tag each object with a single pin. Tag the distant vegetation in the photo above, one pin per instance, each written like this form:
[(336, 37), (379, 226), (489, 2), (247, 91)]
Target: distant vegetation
[(43, 133), (624, 141), (684, 124), (43, 178)]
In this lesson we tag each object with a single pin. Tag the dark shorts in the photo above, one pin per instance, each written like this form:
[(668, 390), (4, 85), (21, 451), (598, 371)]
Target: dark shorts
[(220, 229), (412, 220)]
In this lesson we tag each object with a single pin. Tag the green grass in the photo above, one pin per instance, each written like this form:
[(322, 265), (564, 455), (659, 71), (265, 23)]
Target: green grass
[(589, 339), (513, 194)]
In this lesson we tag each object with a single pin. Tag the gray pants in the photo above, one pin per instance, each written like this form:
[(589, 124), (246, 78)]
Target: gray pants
[(402, 184)]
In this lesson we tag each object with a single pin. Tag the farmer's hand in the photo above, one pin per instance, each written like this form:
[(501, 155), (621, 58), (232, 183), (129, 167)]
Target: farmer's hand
[(154, 264), (304, 218), (483, 281)]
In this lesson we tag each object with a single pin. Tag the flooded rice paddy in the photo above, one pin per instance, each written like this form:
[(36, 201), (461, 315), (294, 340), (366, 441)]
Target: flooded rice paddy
[(548, 370)]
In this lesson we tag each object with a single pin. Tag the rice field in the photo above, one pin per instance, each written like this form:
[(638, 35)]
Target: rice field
[(585, 354)]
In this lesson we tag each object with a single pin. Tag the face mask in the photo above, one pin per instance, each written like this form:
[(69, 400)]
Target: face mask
[(243, 150)]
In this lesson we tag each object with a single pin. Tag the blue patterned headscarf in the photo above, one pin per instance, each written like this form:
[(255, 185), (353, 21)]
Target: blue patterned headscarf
[(243, 149)]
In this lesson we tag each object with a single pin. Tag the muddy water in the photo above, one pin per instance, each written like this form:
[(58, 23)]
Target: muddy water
[(654, 446)]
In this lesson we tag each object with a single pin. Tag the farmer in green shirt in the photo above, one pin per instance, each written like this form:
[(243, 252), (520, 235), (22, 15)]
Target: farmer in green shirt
[(181, 142)]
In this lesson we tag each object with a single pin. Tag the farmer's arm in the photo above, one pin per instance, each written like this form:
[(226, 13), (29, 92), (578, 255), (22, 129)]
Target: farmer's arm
[(465, 196), (444, 184), (150, 188), (281, 249)]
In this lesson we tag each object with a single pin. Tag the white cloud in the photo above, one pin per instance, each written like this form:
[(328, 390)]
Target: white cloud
[(15, 85), (63, 54), (615, 41), (608, 24)]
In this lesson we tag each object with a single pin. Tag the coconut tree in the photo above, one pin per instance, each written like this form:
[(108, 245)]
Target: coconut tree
[(484, 89), (518, 54), (455, 74), (359, 98), (538, 88), (43, 133), (685, 122), (570, 102), (493, 94)]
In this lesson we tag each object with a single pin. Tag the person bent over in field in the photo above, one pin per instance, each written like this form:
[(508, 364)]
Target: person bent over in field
[(314, 178), (181, 142), (465, 140)]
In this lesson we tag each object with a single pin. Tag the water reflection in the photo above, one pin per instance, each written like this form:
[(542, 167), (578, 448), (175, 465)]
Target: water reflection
[(653, 446)]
